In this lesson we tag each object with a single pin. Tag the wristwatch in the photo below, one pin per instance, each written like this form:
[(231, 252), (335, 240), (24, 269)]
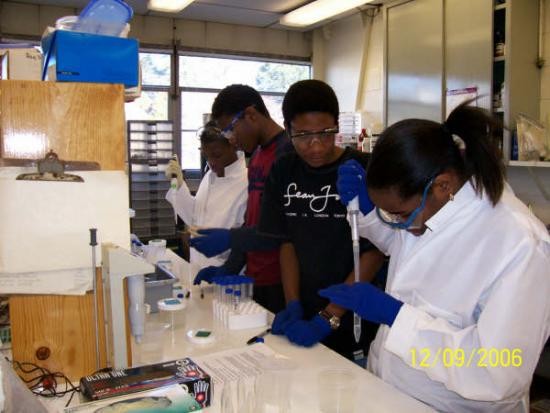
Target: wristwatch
[(332, 320)]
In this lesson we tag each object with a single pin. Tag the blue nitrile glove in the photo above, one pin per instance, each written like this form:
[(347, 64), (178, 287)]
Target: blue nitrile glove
[(212, 241), (351, 183), (369, 302), (292, 312), (307, 333), (207, 273)]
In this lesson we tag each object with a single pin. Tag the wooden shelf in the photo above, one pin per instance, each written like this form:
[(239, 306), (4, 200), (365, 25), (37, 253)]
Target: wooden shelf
[(536, 164)]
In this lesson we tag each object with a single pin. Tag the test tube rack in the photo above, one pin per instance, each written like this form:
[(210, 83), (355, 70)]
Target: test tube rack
[(233, 306)]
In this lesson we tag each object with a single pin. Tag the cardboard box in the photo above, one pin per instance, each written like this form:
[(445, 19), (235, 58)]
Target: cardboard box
[(84, 57), (119, 382), (21, 64)]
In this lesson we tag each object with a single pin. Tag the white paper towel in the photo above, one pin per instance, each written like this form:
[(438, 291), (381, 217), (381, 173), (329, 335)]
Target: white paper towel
[(44, 226)]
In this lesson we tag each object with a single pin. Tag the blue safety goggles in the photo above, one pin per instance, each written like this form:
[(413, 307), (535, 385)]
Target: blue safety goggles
[(396, 220)]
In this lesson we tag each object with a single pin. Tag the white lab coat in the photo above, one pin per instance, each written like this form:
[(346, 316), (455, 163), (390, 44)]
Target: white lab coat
[(479, 278), (218, 203)]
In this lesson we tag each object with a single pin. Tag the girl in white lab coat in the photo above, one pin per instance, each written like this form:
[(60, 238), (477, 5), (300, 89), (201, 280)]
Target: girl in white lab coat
[(466, 311), (221, 198)]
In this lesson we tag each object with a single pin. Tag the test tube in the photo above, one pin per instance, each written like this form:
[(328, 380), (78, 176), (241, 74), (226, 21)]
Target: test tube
[(250, 288), (236, 299), (228, 297)]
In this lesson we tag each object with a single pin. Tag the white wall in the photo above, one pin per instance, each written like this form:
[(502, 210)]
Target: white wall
[(20, 19), (347, 54)]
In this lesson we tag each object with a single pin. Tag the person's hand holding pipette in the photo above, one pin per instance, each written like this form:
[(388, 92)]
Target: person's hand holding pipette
[(174, 170), (352, 183)]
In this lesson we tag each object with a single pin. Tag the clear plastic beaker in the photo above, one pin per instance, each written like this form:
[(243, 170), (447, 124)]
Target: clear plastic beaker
[(171, 312), (337, 389)]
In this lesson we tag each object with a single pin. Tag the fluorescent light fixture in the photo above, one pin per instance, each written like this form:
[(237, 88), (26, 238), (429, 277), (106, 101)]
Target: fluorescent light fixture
[(168, 5), (317, 11)]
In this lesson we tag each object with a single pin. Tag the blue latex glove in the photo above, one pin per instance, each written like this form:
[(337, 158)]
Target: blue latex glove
[(213, 241), (307, 333), (369, 302), (207, 273), (291, 313), (351, 183)]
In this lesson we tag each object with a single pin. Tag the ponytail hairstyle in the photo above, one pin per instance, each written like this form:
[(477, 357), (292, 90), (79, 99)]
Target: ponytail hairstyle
[(411, 152)]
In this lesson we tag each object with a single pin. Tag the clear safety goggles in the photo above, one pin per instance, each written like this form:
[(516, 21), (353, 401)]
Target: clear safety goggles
[(306, 138), (413, 220), (227, 132)]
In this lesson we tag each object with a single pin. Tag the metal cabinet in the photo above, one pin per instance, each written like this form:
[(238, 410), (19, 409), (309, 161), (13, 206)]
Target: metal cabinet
[(432, 49), (150, 148)]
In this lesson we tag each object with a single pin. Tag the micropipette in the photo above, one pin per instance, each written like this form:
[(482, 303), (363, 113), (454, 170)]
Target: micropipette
[(353, 210)]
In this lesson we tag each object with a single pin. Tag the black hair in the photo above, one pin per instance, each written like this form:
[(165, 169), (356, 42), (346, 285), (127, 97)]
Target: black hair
[(309, 96), (411, 152), (234, 98), (210, 133)]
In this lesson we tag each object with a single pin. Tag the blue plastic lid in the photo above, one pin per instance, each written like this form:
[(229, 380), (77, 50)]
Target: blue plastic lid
[(106, 17)]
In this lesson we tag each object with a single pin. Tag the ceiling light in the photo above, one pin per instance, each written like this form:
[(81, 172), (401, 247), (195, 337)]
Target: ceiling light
[(318, 10), (168, 5)]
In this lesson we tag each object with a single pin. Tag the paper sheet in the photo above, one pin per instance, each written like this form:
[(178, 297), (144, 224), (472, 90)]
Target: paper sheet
[(45, 226), (237, 364), (67, 282)]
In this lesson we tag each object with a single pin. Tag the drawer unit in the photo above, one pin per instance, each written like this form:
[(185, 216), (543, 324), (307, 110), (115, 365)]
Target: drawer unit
[(151, 145), (150, 148), (150, 204), (155, 213), (148, 177)]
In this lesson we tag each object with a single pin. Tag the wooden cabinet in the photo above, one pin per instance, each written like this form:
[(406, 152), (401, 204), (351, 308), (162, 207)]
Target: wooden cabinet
[(79, 121), (83, 122)]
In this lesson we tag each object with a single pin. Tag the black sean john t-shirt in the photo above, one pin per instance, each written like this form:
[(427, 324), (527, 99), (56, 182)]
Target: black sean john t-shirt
[(301, 205)]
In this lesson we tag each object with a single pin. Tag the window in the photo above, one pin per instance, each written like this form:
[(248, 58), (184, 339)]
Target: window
[(202, 77), (199, 80), (153, 104)]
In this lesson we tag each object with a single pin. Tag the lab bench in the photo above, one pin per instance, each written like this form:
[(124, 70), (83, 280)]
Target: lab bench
[(372, 393)]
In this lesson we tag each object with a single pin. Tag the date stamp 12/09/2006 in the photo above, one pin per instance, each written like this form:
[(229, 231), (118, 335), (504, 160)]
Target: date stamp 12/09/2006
[(459, 357)]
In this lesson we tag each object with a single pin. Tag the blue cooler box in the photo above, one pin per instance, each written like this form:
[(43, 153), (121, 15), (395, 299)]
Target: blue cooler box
[(83, 57)]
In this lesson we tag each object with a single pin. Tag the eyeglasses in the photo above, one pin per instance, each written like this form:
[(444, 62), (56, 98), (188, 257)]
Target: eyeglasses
[(396, 220), (227, 132), (306, 138)]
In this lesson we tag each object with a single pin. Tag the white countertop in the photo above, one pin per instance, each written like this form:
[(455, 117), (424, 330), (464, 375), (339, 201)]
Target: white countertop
[(372, 395)]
